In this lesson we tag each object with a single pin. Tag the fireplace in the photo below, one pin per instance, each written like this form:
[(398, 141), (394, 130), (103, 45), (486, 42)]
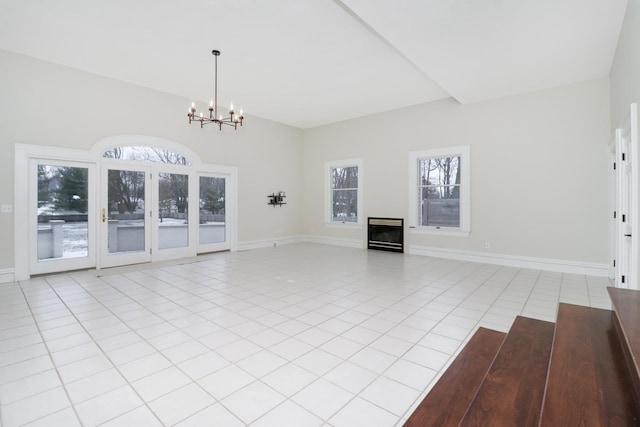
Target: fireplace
[(386, 234)]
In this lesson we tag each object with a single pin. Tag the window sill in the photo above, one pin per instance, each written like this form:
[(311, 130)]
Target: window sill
[(439, 231)]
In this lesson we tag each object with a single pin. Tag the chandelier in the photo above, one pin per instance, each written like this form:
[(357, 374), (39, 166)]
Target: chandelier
[(232, 120)]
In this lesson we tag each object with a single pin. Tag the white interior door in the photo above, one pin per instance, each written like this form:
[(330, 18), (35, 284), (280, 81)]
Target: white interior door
[(614, 200), (631, 228), (624, 228), (627, 248)]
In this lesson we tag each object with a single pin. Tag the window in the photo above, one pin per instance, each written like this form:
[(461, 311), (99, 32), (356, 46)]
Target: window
[(343, 194), (439, 191), (146, 154)]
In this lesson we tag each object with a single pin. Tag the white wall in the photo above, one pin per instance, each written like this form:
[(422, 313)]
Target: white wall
[(46, 104), (625, 71), (539, 161), (538, 170)]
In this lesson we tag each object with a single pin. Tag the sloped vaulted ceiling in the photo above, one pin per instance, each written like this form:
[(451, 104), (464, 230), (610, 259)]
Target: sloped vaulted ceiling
[(311, 62)]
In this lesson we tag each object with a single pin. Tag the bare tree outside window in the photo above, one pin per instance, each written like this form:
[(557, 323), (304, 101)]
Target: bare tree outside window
[(212, 195), (344, 194), (146, 154), (174, 193), (439, 191), (173, 208), (212, 228), (126, 188), (126, 191), (126, 197)]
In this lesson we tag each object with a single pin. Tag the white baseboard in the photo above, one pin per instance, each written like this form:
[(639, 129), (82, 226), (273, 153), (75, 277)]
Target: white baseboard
[(547, 264), (562, 266), (265, 243), (335, 241), (7, 275)]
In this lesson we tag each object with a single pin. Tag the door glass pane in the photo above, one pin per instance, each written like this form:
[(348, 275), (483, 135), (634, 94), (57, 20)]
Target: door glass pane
[(173, 209), (212, 210), (126, 211), (62, 212)]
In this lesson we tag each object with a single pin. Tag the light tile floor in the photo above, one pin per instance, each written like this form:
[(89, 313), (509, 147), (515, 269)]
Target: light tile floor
[(298, 335)]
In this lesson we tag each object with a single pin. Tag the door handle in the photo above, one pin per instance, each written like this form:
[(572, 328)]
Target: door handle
[(627, 235), (104, 215)]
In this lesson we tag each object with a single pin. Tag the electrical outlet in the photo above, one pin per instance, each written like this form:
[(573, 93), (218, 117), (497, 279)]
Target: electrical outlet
[(487, 245), (6, 208)]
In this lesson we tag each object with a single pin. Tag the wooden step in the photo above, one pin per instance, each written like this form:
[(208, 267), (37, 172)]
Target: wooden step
[(587, 383), (626, 305), (512, 391), (448, 400)]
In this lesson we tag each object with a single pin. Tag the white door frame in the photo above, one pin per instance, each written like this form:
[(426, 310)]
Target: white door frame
[(229, 192), (107, 259), (192, 219), (634, 203), (625, 241), (40, 266), (614, 207)]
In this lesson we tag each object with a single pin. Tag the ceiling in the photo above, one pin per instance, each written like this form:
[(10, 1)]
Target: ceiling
[(307, 63)]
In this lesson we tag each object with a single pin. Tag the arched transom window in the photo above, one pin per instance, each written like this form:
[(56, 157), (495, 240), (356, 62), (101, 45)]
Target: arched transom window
[(146, 154)]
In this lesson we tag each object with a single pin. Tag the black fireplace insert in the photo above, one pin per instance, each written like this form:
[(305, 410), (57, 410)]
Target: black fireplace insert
[(386, 234)]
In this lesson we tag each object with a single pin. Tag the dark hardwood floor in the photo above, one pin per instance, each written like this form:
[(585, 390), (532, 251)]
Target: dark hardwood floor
[(513, 389), (458, 385), (580, 371)]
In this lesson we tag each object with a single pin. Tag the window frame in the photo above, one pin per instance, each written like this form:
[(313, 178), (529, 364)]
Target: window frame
[(462, 151), (328, 192)]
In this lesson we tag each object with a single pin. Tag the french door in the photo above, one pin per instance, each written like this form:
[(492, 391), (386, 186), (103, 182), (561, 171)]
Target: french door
[(145, 214), (151, 213), (125, 215), (62, 232), (213, 221), (172, 220), (127, 201)]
